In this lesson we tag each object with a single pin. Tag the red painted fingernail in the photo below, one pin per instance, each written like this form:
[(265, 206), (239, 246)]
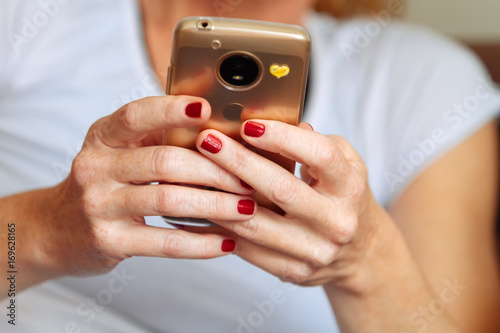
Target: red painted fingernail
[(254, 129), (245, 185), (246, 207), (211, 144), (193, 110), (228, 245)]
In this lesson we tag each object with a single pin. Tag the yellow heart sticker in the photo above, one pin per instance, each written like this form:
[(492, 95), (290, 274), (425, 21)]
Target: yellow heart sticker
[(279, 71)]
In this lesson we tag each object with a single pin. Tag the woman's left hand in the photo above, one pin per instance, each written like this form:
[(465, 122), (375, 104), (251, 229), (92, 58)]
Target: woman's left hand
[(330, 219)]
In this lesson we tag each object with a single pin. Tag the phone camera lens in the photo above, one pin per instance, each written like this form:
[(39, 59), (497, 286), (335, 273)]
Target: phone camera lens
[(239, 70)]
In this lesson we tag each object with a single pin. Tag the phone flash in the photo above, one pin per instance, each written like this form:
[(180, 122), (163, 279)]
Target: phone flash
[(216, 44), (279, 71)]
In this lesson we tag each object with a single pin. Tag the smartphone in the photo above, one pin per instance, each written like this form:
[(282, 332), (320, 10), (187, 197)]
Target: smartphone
[(245, 69)]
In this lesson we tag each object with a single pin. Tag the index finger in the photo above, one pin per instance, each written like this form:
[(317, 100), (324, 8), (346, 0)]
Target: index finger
[(330, 160), (131, 123), (268, 178)]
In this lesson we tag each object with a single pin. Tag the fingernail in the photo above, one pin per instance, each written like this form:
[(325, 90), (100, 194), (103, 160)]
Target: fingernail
[(246, 207), (211, 144), (254, 129), (193, 110), (245, 185), (228, 245)]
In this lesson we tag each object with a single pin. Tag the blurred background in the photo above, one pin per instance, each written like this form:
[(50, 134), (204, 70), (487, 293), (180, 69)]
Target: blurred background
[(476, 23)]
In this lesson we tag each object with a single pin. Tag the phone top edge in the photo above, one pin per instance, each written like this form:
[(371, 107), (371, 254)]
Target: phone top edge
[(235, 25)]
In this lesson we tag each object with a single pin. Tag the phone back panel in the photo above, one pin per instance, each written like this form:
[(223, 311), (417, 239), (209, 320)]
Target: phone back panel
[(200, 44)]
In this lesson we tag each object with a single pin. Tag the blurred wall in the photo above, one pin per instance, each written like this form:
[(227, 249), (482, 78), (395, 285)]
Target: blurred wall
[(476, 21)]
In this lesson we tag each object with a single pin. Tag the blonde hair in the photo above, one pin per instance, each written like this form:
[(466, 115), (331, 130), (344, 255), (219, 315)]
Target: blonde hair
[(348, 8)]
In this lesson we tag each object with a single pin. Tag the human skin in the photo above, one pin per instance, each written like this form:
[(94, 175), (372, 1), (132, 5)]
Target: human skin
[(377, 263)]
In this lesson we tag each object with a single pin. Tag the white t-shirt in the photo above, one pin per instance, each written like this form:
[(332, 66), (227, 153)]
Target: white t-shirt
[(401, 95)]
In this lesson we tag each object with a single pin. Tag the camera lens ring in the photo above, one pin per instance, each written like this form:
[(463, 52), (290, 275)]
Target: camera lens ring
[(239, 70)]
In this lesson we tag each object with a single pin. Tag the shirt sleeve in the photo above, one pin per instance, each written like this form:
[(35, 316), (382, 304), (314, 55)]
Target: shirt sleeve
[(440, 95)]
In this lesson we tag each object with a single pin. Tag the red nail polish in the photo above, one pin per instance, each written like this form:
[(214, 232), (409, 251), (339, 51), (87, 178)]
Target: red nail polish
[(193, 110), (246, 207), (228, 245), (245, 185), (211, 144), (254, 129)]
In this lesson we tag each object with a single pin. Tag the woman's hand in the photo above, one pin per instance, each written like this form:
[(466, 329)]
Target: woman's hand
[(94, 219), (328, 225), (333, 232)]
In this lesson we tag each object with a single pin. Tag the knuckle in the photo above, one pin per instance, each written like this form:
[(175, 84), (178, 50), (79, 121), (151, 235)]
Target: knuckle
[(172, 244), (208, 251), (341, 141), (220, 177), (162, 162), (130, 116), (92, 203), (345, 228), (358, 187), (94, 133), (166, 201), (80, 168), (174, 105), (248, 229), (328, 153), (85, 166), (219, 207), (283, 189), (284, 137), (322, 256), (237, 162), (108, 264), (297, 273)]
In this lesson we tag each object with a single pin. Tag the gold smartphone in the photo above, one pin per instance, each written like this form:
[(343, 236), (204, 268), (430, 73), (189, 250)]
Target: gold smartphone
[(245, 69)]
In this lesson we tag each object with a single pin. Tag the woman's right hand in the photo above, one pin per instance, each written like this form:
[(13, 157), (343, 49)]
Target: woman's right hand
[(97, 213)]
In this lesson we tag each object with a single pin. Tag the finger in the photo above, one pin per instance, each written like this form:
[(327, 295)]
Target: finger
[(132, 122), (286, 235), (140, 240), (178, 201), (171, 164), (327, 159), (285, 267), (306, 126), (266, 177), (306, 177)]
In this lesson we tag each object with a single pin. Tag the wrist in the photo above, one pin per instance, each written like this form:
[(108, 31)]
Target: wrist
[(375, 255), (33, 215)]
